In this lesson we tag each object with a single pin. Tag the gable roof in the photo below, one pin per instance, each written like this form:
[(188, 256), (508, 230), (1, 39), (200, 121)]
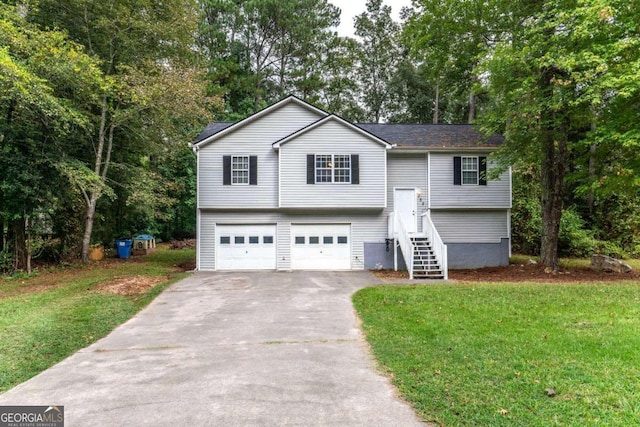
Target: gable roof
[(432, 135), (332, 117), (216, 130)]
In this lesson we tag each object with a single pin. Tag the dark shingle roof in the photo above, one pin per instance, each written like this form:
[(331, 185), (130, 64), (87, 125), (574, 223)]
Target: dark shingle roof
[(431, 136), (407, 135), (212, 129)]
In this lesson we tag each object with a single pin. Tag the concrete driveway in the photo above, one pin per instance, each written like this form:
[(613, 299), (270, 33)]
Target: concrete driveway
[(229, 349)]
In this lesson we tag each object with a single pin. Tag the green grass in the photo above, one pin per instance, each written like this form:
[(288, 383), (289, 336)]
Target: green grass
[(40, 327), (484, 354)]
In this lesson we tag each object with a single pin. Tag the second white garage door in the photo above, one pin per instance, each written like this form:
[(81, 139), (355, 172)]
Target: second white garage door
[(321, 246), (246, 247)]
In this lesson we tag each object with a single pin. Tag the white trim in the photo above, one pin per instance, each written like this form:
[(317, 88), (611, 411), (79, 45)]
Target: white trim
[(509, 229), (332, 169), (429, 181), (462, 171), (198, 228), (248, 170), (259, 114), (510, 189), (326, 119), (386, 174)]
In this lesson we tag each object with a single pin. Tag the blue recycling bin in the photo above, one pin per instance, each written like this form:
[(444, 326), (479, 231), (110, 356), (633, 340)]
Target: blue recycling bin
[(124, 247)]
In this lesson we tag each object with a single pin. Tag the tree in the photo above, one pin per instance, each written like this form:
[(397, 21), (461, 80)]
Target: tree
[(567, 67), (47, 88), (261, 50), (145, 48), (449, 38), (378, 59)]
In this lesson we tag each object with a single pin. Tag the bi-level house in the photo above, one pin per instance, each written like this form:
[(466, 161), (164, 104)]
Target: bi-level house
[(295, 187)]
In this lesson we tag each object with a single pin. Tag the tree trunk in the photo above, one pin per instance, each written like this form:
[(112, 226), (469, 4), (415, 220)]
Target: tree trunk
[(554, 157), (436, 106), (2, 235), (591, 198), (88, 226), (105, 142), (20, 243)]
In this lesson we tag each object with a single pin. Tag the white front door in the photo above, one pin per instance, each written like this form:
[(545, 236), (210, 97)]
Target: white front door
[(246, 247), (405, 205), (321, 246)]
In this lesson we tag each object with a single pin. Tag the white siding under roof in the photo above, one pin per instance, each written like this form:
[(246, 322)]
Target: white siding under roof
[(253, 139), (332, 137), (471, 226), (407, 171), (444, 194)]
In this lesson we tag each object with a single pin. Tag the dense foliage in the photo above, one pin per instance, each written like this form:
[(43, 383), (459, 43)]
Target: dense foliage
[(99, 100)]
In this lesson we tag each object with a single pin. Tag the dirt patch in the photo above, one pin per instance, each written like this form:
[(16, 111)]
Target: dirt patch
[(135, 285), (521, 273)]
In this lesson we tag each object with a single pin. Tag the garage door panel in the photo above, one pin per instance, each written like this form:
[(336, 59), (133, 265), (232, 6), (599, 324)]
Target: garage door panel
[(246, 247), (321, 247)]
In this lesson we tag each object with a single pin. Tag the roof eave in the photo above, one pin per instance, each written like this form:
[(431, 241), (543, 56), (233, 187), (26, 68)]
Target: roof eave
[(410, 149)]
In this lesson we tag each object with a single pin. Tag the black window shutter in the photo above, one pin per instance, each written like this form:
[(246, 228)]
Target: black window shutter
[(482, 168), (226, 170), (457, 170), (355, 169), (311, 169), (253, 170)]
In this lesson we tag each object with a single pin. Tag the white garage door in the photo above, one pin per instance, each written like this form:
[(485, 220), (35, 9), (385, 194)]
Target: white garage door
[(246, 247), (321, 246)]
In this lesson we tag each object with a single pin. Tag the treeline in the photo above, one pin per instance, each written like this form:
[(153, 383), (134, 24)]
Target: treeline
[(99, 99)]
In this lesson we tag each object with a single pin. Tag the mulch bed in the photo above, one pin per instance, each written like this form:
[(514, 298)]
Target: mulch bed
[(521, 273)]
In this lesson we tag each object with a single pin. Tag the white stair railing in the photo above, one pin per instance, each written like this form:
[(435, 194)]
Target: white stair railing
[(437, 245), (406, 245)]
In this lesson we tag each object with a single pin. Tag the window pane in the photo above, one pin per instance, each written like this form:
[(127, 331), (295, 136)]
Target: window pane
[(254, 239), (239, 240), (240, 169), (299, 240), (314, 240), (342, 239), (323, 175), (323, 168), (342, 169), (225, 240), (267, 239), (327, 240), (469, 177)]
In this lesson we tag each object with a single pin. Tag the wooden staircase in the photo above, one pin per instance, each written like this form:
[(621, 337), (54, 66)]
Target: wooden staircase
[(425, 263)]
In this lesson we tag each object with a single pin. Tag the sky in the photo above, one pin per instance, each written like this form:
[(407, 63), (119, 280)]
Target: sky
[(351, 8)]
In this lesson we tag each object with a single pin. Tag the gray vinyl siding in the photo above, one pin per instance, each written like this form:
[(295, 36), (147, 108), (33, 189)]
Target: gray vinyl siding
[(370, 228), (471, 226), (496, 194), (407, 171), (207, 243), (332, 137), (252, 139)]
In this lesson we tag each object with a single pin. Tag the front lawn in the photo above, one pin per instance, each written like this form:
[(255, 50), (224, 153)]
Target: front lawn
[(510, 354), (49, 316)]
